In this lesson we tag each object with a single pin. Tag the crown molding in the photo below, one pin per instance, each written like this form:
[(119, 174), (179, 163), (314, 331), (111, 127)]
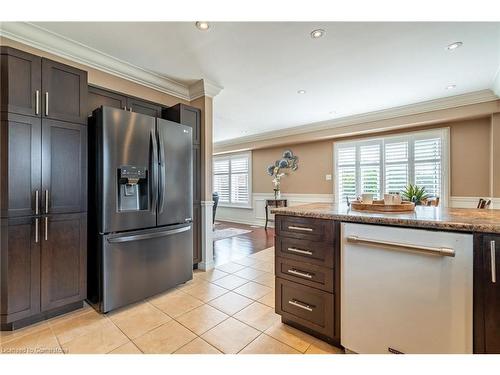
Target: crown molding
[(48, 41), (203, 87), (496, 83), (475, 97)]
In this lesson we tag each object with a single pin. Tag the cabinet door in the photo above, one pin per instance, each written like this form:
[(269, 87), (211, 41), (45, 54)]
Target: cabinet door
[(186, 115), (144, 107), (20, 165), (64, 167), (20, 273), (20, 77), (63, 260), (98, 97), (196, 174), (64, 90), (196, 233), (491, 290)]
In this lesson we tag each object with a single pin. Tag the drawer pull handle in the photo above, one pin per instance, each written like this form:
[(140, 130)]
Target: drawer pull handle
[(295, 250), (303, 229), (300, 305), (300, 273), (493, 262)]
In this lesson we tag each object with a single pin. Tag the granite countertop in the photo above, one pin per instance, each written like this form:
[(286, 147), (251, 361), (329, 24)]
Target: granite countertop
[(453, 219)]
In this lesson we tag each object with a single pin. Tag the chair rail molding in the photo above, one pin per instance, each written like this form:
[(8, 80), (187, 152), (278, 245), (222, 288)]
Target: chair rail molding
[(48, 41)]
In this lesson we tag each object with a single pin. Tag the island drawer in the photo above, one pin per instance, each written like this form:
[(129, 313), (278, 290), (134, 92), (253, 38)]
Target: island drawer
[(305, 228), (304, 273), (308, 307), (315, 252)]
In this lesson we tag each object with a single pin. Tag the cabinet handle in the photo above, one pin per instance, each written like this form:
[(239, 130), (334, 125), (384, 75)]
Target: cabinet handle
[(493, 262), (37, 102), (46, 228), (36, 231), (303, 229), (46, 103), (295, 250), (37, 205), (46, 201), (301, 305), (300, 273)]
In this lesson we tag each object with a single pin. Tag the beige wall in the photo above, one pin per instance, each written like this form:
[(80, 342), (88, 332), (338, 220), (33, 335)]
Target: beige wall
[(106, 80), (470, 154)]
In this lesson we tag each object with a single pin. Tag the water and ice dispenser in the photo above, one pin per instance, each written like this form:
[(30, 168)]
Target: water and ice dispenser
[(132, 188)]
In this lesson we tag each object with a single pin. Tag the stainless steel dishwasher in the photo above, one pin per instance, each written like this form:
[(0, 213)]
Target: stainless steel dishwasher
[(405, 290)]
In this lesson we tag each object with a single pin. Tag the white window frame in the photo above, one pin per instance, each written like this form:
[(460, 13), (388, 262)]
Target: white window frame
[(443, 133), (247, 154)]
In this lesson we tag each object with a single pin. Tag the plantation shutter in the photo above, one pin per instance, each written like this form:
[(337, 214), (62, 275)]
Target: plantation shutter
[(369, 169), (428, 165), (231, 179), (221, 179), (389, 164), (346, 171), (239, 180), (396, 166)]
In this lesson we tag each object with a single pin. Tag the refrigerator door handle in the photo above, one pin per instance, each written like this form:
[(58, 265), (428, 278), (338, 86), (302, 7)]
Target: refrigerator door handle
[(162, 172), (148, 236), (154, 171)]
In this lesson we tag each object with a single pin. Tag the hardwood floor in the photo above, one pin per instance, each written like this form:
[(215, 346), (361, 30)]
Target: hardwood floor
[(231, 248)]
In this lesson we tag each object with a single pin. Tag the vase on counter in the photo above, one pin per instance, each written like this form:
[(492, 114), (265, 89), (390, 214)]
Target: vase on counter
[(277, 194)]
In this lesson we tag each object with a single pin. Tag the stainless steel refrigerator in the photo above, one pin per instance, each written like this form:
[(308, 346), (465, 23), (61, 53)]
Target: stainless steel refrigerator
[(140, 235)]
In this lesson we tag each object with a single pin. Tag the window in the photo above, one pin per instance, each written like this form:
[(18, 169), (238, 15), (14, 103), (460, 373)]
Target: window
[(388, 164), (232, 179)]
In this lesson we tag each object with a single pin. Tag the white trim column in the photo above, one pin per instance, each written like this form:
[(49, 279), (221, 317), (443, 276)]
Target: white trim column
[(207, 245)]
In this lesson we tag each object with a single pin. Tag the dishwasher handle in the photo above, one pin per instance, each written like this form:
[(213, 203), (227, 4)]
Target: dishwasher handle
[(439, 251), (148, 236)]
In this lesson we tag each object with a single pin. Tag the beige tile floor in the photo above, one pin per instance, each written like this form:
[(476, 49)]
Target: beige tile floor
[(227, 310)]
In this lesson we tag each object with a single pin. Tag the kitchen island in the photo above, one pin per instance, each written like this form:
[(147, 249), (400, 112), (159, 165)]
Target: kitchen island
[(425, 282)]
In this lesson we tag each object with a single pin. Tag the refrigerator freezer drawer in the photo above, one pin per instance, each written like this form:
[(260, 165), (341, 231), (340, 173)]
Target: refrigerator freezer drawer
[(405, 290), (139, 264)]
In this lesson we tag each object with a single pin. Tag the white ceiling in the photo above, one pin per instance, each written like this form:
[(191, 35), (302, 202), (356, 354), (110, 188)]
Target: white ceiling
[(355, 68)]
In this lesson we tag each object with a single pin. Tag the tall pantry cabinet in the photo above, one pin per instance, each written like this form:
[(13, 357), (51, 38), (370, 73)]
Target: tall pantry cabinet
[(43, 188)]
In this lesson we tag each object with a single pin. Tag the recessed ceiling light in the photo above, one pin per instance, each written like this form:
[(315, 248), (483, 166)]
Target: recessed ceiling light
[(450, 87), (454, 45), (301, 92), (318, 33), (202, 25)]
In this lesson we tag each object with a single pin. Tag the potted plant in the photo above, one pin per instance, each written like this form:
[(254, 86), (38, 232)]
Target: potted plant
[(415, 194)]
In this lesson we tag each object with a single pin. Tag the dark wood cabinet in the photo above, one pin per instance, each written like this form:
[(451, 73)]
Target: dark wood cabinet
[(63, 260), (20, 164), (35, 86), (98, 97), (186, 115), (20, 269), (196, 233), (43, 190), (307, 269), (20, 82), (64, 167), (144, 107), (64, 90), (191, 116), (487, 294)]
